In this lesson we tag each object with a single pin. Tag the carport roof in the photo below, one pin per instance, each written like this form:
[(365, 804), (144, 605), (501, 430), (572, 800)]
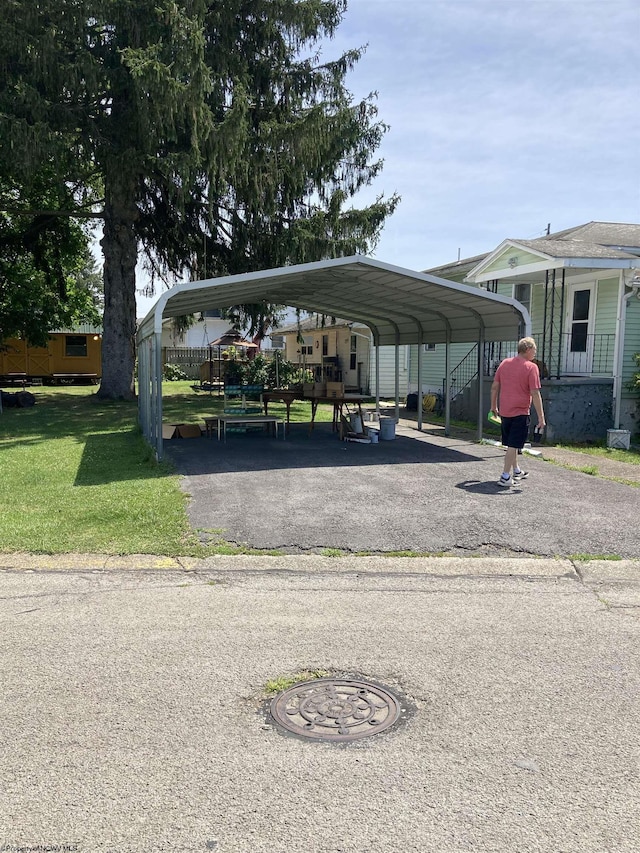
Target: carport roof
[(400, 306)]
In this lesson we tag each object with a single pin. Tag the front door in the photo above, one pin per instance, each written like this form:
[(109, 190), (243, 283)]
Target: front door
[(579, 337)]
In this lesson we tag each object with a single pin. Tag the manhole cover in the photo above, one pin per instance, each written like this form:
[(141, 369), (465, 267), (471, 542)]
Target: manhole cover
[(335, 709)]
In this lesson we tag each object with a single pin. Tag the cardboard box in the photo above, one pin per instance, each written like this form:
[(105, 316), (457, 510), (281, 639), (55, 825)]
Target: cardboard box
[(181, 431), (189, 431), (170, 430), (335, 389), (314, 389)]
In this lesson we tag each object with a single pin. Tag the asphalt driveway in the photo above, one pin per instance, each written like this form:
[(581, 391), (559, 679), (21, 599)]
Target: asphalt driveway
[(419, 492)]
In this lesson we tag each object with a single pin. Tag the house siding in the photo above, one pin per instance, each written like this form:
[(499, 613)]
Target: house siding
[(433, 366), (388, 371), (632, 343), (537, 312), (522, 259), (605, 320), (606, 306)]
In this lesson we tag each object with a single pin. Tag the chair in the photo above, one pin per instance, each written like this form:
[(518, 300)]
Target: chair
[(243, 400)]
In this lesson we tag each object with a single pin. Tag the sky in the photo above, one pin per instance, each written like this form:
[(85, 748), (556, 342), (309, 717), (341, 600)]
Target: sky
[(505, 117)]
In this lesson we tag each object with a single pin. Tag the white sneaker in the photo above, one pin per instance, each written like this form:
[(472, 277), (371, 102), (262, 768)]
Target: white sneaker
[(505, 481), (520, 475)]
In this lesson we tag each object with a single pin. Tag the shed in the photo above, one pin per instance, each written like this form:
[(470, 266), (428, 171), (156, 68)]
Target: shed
[(400, 306)]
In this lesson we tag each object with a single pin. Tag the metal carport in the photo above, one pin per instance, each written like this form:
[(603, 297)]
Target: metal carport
[(400, 306)]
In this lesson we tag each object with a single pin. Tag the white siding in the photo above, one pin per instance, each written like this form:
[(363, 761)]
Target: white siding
[(388, 372), (433, 366)]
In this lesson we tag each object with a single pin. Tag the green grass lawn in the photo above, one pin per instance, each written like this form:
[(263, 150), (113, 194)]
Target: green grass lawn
[(181, 403), (77, 476), (631, 456)]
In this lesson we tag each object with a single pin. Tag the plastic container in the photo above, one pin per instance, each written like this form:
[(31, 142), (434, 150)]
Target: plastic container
[(356, 424), (619, 438), (387, 429), (373, 435)]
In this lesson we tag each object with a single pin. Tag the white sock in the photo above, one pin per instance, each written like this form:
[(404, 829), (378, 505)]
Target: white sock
[(505, 475)]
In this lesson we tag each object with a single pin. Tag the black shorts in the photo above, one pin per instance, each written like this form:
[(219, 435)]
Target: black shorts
[(515, 431)]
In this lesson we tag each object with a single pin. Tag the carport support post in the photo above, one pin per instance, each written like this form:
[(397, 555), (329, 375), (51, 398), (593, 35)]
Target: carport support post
[(397, 379), (420, 348), (156, 382), (377, 372), (447, 385), (480, 382)]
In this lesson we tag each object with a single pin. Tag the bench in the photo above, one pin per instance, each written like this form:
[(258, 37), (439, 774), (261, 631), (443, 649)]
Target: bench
[(91, 378)]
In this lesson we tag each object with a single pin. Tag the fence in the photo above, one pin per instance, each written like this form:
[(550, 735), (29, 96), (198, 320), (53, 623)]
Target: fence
[(189, 360)]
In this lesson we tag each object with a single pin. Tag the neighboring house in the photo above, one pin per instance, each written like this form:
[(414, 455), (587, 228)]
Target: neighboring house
[(207, 327), (70, 355), (344, 351), (190, 349), (582, 288)]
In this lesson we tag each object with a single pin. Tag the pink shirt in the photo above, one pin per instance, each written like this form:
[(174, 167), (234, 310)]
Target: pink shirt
[(518, 378)]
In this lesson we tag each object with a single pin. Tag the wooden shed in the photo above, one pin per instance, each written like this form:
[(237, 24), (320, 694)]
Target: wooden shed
[(73, 355)]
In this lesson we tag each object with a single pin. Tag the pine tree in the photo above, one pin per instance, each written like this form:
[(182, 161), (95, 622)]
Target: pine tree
[(206, 133)]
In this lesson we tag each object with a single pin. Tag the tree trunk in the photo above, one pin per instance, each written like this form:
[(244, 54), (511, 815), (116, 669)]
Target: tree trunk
[(120, 249)]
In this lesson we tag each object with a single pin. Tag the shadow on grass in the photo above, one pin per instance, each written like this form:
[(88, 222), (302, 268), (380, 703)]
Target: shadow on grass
[(114, 457), (63, 415)]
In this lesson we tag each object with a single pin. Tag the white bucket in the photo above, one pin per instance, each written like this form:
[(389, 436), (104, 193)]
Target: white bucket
[(387, 429), (373, 435), (356, 424)]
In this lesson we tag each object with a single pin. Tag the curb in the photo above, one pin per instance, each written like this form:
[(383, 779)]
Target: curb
[(588, 571)]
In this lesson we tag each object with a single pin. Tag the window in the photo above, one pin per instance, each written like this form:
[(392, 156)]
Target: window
[(306, 347), (428, 347), (75, 345), (522, 292), (354, 352), (325, 345)]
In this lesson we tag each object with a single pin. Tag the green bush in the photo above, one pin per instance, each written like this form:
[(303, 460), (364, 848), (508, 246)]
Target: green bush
[(287, 374), (634, 385), (257, 371), (172, 373)]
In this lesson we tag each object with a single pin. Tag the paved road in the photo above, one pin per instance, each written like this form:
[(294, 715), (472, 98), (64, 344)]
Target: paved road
[(422, 493), (133, 721)]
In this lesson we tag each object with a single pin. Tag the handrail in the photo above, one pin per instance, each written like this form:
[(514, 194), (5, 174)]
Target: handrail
[(595, 358)]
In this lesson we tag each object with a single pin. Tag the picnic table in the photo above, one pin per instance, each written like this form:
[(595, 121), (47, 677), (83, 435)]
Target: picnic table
[(281, 395), (348, 403)]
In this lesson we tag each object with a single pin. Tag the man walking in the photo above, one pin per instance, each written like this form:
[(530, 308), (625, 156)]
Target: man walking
[(515, 386)]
